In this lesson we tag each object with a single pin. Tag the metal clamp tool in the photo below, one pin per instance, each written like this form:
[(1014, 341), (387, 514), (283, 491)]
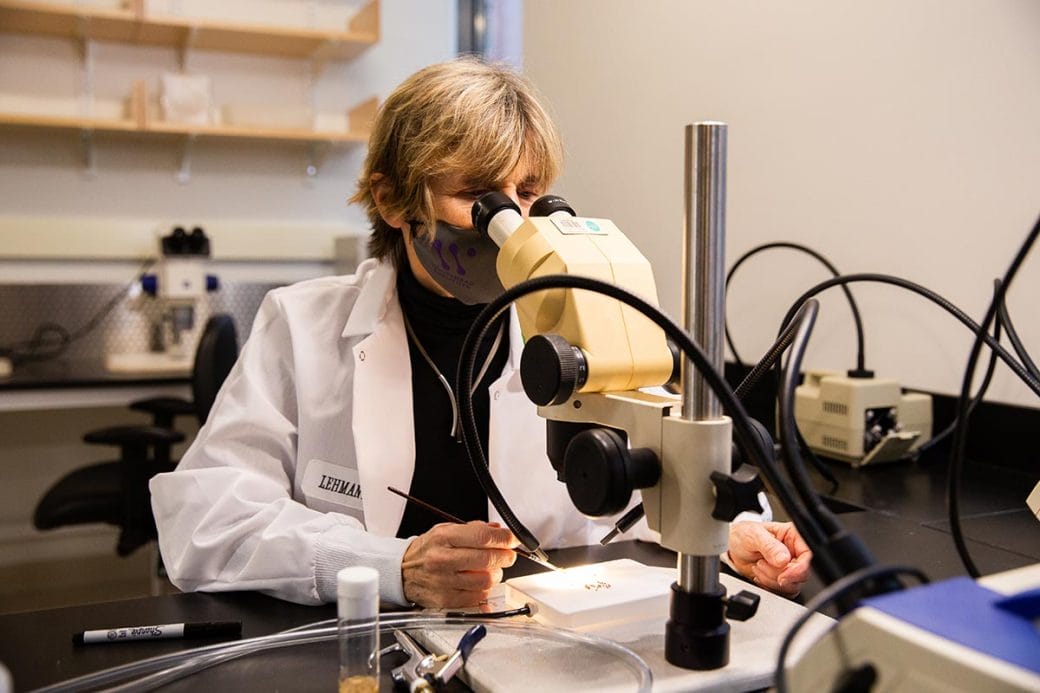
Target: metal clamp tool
[(423, 672)]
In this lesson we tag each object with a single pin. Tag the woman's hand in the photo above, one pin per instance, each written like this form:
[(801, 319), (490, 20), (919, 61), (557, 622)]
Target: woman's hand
[(772, 554), (455, 565)]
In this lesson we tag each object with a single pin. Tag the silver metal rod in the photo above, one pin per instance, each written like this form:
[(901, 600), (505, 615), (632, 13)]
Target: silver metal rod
[(698, 574), (703, 305), (704, 255)]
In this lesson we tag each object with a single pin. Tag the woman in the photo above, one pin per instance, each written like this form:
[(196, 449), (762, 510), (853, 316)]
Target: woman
[(343, 388)]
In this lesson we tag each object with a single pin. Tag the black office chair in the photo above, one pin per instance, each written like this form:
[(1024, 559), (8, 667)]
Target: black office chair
[(214, 357), (116, 492)]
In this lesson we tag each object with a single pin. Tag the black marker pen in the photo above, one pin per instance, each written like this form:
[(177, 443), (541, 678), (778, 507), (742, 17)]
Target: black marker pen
[(218, 629)]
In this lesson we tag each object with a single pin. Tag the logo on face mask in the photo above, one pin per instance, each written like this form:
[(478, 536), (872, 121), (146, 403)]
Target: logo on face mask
[(461, 261)]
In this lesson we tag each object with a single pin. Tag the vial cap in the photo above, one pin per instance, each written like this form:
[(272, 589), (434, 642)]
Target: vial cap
[(357, 582)]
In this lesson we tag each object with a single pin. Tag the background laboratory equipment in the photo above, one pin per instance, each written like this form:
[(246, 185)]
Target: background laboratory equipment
[(179, 283)]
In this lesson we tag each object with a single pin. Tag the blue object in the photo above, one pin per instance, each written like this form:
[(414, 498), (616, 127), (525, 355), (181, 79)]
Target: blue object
[(1024, 604), (470, 640), (212, 283), (150, 284), (964, 612)]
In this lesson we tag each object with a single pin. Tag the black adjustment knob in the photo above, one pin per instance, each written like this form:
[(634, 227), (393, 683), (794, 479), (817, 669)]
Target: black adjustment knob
[(601, 472), (742, 606), (736, 492), (548, 204), (487, 206), (551, 370)]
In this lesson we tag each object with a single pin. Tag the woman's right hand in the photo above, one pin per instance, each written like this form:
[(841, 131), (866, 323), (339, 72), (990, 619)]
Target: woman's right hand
[(455, 565)]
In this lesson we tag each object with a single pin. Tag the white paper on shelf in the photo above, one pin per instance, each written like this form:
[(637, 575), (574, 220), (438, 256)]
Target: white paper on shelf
[(185, 98)]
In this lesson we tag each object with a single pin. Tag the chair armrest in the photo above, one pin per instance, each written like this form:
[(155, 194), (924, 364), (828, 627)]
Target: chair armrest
[(133, 435), (164, 409)]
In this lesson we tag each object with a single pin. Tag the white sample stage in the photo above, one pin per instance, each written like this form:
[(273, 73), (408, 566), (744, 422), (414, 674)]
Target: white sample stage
[(594, 594)]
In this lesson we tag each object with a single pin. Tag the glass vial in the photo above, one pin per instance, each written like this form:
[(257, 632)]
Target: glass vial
[(358, 599)]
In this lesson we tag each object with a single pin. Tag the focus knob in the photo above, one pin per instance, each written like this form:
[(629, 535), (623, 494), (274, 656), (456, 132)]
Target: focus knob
[(551, 370), (601, 472), (736, 492)]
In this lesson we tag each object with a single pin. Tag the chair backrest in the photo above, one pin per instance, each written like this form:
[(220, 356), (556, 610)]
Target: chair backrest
[(214, 357)]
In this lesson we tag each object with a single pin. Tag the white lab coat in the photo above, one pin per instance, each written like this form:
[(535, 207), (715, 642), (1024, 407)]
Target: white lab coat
[(286, 483)]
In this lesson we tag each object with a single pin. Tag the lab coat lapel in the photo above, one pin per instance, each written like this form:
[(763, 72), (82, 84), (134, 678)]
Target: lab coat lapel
[(382, 420)]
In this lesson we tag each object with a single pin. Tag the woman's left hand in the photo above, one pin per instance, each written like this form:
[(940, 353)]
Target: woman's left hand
[(772, 554)]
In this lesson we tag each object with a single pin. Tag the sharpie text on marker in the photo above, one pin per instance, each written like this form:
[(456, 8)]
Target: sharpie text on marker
[(216, 629)]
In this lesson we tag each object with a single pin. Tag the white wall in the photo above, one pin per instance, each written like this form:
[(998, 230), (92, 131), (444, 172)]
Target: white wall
[(894, 136)]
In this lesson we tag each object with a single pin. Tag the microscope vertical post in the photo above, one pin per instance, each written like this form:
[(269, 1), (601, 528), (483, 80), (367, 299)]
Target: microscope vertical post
[(703, 300), (697, 635)]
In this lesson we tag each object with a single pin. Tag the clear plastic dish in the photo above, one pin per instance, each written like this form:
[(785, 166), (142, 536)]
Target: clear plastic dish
[(515, 656)]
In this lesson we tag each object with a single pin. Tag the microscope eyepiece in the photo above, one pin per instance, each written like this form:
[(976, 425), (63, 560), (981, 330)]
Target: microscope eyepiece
[(547, 205), (487, 206), (181, 243)]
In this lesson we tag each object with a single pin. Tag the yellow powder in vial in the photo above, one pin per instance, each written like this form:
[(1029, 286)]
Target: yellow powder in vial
[(359, 684)]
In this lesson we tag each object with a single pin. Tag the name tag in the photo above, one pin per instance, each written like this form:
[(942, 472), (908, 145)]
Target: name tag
[(332, 483)]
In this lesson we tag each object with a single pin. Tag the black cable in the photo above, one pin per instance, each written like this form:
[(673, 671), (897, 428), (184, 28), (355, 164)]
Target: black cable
[(524, 610), (1005, 319), (829, 594), (625, 523), (771, 357), (1005, 356), (767, 362), (742, 429), (860, 348), (48, 341), (37, 349), (787, 429), (979, 394), (843, 552), (960, 434)]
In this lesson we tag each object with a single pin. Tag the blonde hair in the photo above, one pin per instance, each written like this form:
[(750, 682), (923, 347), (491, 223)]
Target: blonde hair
[(464, 117)]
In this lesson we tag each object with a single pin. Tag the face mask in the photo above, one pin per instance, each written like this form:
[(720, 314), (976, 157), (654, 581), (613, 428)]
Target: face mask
[(461, 261)]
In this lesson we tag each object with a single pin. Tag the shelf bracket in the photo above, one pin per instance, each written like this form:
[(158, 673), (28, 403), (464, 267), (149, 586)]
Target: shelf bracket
[(316, 154), (191, 37), (86, 86), (184, 173), (86, 139), (314, 69)]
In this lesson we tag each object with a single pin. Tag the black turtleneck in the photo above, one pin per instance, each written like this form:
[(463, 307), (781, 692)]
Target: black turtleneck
[(443, 476)]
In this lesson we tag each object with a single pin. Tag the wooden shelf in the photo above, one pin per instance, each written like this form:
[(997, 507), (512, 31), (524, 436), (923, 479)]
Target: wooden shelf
[(161, 128), (137, 27), (288, 135), (141, 121), (67, 123)]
